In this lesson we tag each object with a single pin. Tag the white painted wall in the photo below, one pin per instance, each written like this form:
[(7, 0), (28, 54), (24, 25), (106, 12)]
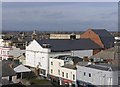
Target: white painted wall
[(36, 55), (54, 54), (98, 77), (79, 53), (15, 52), (1, 42), (5, 52), (82, 53), (57, 63), (70, 72)]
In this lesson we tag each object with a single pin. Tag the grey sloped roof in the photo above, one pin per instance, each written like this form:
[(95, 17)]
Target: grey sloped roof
[(106, 38), (69, 66), (21, 68), (102, 32), (5, 69), (68, 44), (111, 53), (104, 67), (98, 67)]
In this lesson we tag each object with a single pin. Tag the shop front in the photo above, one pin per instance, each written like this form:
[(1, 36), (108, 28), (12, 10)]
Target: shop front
[(68, 83), (54, 79), (84, 84)]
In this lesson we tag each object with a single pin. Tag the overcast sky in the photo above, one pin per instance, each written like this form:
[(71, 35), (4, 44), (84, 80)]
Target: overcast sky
[(59, 16)]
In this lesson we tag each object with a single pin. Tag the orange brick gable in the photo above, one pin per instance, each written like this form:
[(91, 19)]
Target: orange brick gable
[(93, 36)]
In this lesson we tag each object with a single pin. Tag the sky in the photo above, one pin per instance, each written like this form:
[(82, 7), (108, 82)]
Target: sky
[(59, 16)]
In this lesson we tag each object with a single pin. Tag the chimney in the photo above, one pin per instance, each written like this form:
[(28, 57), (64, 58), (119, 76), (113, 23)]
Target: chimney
[(85, 58), (72, 36)]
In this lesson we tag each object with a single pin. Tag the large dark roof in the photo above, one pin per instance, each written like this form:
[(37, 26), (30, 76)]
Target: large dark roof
[(68, 44), (5, 68), (102, 32), (105, 36)]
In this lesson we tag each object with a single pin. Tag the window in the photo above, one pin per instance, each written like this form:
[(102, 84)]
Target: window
[(51, 71), (42, 71), (89, 74), (39, 63), (59, 64), (62, 74), (4, 52), (73, 77), (8, 52), (51, 63), (84, 73), (58, 72), (66, 75)]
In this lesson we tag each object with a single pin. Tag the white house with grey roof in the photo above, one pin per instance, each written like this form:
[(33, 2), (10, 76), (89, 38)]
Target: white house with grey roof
[(38, 52), (97, 74)]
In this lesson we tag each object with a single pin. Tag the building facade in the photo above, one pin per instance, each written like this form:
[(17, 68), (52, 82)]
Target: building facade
[(39, 52), (100, 36), (63, 36), (93, 74), (9, 52), (62, 73)]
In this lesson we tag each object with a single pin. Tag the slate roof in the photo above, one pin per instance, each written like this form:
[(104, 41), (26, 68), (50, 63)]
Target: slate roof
[(111, 53), (70, 66), (5, 69), (68, 44), (98, 67), (83, 63), (23, 40), (76, 58), (105, 67), (102, 32), (106, 38)]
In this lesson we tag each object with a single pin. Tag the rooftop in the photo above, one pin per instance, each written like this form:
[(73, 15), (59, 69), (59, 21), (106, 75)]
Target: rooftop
[(105, 36), (68, 44), (7, 67), (69, 66), (111, 53), (105, 67)]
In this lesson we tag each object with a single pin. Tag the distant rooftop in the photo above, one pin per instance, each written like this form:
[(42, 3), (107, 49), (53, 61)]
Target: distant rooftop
[(111, 53), (70, 66)]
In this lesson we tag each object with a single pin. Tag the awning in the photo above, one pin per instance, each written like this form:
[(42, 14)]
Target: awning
[(21, 69), (67, 81)]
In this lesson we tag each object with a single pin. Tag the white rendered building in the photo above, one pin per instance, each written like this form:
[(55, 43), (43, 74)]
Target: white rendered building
[(94, 74), (38, 52)]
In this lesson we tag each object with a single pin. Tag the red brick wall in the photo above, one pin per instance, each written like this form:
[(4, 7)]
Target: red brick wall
[(93, 36)]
